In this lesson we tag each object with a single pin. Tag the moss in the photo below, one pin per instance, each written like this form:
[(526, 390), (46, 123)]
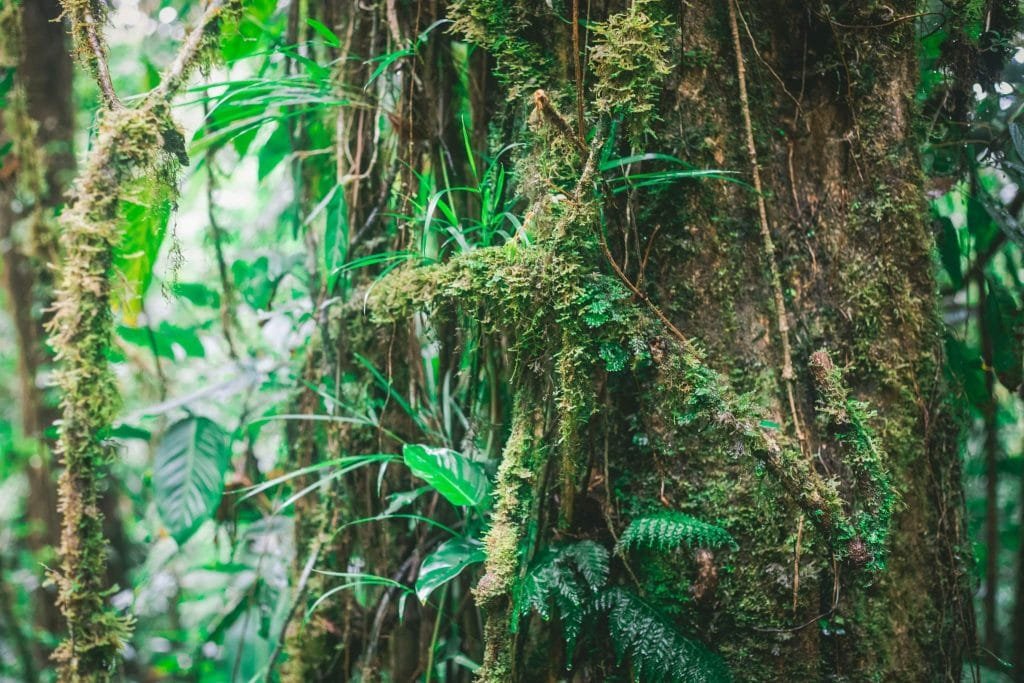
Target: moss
[(631, 61), (504, 28), (560, 310), (516, 496), (849, 419)]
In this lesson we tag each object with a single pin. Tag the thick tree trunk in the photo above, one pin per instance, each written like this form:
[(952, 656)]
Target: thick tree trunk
[(832, 112), (43, 74)]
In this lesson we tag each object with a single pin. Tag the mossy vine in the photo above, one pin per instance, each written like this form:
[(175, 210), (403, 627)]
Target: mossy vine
[(129, 143)]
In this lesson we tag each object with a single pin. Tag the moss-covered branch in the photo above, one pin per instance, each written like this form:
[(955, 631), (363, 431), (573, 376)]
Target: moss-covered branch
[(519, 480), (129, 143)]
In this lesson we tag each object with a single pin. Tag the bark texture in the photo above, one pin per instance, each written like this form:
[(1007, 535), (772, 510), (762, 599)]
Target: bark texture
[(831, 107), (39, 123)]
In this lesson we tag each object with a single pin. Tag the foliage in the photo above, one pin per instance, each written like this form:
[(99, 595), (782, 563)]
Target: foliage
[(188, 474), (459, 480), (402, 379), (656, 651), (666, 531)]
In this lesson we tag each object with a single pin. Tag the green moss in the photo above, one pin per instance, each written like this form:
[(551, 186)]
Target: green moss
[(504, 28), (517, 493), (631, 61), (849, 419)]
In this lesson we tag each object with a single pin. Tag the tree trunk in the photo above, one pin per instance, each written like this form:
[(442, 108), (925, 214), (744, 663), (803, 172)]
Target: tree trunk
[(43, 120), (839, 253)]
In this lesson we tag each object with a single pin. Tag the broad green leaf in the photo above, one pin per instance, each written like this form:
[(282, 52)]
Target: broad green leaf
[(446, 563), (144, 215), (460, 480), (188, 475)]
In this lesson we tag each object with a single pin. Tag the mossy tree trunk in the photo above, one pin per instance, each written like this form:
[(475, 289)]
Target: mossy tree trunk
[(838, 257), (38, 121)]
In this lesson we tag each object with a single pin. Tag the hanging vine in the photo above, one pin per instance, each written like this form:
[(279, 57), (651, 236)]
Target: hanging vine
[(130, 143)]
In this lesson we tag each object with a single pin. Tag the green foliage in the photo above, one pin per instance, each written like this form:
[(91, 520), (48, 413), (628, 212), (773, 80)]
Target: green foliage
[(566, 575), (1005, 321), (188, 474), (446, 562), (669, 530), (655, 649), (144, 212), (460, 480)]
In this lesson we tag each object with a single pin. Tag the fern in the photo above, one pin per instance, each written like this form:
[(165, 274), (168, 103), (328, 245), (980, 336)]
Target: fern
[(656, 650), (566, 575), (667, 530)]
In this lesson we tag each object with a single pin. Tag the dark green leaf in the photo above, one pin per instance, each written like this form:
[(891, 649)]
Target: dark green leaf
[(966, 367), (446, 563), (1004, 321), (949, 251)]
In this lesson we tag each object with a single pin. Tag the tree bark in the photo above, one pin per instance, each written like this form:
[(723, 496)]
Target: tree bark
[(43, 74), (832, 115)]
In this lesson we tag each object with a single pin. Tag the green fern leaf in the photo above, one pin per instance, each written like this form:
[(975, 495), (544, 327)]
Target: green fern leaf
[(566, 575), (668, 530), (655, 649)]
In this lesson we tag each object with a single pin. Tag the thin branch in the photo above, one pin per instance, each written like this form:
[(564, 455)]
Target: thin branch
[(89, 28), (782, 319), (577, 65)]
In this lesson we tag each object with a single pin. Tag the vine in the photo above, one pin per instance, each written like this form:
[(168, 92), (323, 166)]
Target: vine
[(130, 142)]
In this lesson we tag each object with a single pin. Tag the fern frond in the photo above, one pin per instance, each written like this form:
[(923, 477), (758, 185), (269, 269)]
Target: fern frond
[(566, 575), (668, 530), (656, 650), (591, 559)]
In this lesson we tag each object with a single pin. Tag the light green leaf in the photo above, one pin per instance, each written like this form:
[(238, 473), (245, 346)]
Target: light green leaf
[(460, 480), (445, 563), (188, 475), (144, 215), (327, 34)]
